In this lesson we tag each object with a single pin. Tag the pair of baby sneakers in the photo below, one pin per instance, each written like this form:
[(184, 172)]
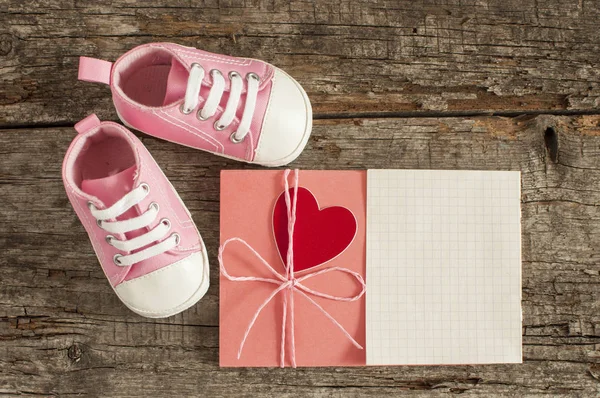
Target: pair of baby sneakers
[(142, 233)]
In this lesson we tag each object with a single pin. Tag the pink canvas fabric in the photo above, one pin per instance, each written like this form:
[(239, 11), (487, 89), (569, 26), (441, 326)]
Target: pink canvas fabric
[(148, 85), (104, 162)]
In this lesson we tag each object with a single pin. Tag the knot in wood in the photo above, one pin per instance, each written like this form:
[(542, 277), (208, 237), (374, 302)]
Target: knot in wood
[(75, 352), (5, 44)]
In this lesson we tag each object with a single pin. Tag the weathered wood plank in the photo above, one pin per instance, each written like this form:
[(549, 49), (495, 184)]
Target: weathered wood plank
[(352, 56), (60, 322)]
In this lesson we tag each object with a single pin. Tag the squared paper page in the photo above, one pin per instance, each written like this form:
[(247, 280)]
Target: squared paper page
[(443, 267)]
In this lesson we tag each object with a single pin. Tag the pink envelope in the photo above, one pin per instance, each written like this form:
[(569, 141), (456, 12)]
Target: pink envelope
[(311, 338)]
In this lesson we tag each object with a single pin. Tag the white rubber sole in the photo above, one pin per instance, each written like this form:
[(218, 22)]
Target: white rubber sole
[(193, 299), (307, 131), (279, 162)]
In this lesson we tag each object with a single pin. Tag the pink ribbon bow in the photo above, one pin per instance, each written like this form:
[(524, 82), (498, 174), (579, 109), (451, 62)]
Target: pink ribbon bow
[(288, 283)]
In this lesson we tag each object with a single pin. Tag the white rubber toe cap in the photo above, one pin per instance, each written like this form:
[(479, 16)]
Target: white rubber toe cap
[(287, 123), (169, 290)]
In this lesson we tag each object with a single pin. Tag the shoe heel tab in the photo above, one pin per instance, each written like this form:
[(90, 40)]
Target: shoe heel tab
[(87, 124), (94, 70)]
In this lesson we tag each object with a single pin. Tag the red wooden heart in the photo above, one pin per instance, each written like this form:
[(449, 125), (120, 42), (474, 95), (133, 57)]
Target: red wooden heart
[(319, 234)]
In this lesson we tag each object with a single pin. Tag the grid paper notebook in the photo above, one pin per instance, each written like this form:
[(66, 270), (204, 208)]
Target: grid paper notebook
[(443, 267)]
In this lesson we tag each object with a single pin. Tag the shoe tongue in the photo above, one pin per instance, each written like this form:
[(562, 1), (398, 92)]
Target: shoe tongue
[(176, 82), (112, 188)]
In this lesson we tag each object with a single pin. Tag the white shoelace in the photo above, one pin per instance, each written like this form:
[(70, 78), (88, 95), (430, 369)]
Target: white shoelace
[(215, 94), (120, 227)]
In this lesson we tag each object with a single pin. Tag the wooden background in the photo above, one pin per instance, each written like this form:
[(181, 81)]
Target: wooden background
[(449, 84)]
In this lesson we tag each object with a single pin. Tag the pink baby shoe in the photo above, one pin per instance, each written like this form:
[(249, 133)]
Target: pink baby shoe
[(239, 108), (142, 233)]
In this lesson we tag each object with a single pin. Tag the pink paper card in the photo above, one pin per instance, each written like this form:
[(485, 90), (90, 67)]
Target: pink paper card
[(384, 267), (248, 200)]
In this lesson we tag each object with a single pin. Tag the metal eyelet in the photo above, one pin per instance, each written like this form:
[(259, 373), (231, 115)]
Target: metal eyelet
[(233, 74), (215, 72), (199, 115), (184, 110), (99, 223), (145, 187), (117, 260), (253, 75), (165, 221), (91, 205), (196, 65), (155, 205), (109, 239), (177, 238), (235, 140), (219, 127)]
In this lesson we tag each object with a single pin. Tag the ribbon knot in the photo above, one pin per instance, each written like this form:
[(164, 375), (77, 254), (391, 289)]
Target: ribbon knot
[(288, 284)]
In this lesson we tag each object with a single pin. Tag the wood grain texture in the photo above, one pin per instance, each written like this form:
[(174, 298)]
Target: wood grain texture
[(63, 331), (353, 57)]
